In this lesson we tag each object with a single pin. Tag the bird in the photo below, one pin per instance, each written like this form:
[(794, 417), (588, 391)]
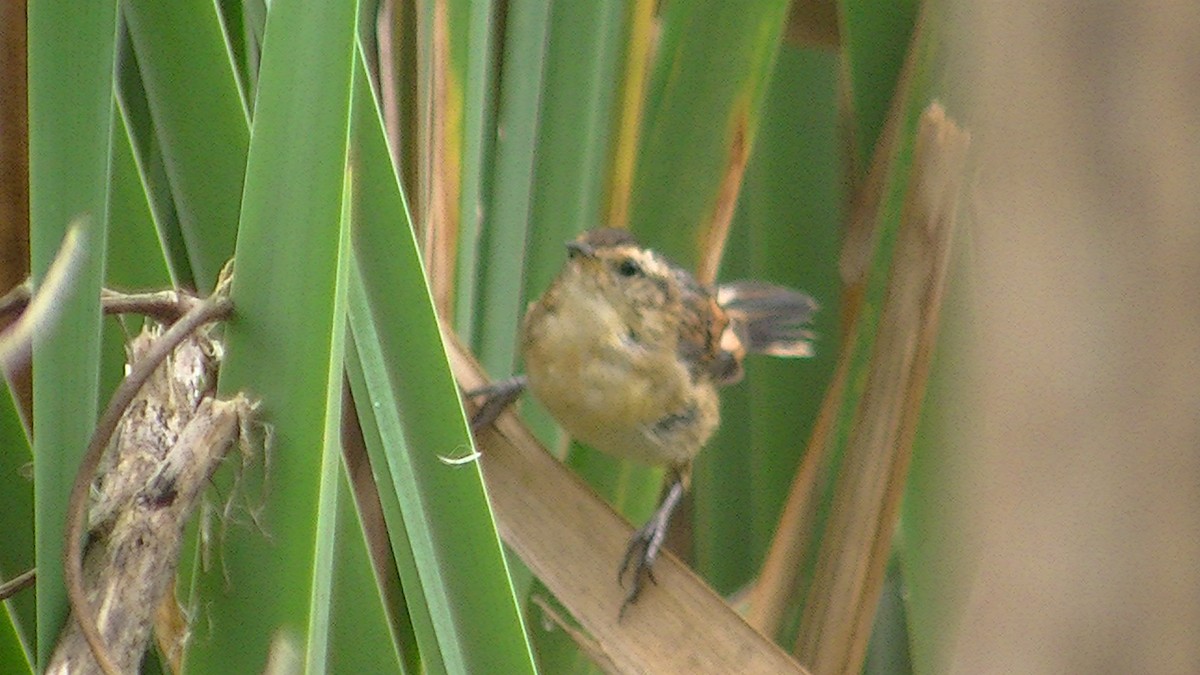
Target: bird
[(627, 351)]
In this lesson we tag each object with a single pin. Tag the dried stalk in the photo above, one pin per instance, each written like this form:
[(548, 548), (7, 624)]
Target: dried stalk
[(171, 434)]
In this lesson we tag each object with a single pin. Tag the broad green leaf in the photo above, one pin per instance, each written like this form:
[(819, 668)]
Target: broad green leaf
[(575, 139), (709, 76), (282, 344), (575, 131), (455, 579), (786, 232), (70, 112), (710, 73), (360, 641), (506, 220), (134, 109), (200, 121), (876, 38), (13, 655), (411, 641), (478, 141), (135, 254)]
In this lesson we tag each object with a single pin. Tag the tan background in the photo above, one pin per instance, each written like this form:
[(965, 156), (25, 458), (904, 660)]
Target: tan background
[(1084, 258)]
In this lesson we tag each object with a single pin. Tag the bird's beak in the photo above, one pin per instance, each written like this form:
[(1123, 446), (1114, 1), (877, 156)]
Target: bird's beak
[(579, 248)]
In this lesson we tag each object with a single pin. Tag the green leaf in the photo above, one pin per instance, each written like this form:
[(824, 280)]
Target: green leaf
[(409, 640), (18, 623), (575, 131), (451, 564), (134, 110), (876, 38), (70, 113), (498, 298), (13, 652), (477, 69), (785, 231), (360, 641), (711, 70), (283, 343), (574, 149), (135, 254), (200, 120)]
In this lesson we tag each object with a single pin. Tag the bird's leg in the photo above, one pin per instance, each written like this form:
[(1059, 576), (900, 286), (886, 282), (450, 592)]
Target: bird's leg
[(647, 542), (499, 395)]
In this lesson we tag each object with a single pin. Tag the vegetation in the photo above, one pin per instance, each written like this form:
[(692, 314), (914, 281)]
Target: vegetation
[(373, 168)]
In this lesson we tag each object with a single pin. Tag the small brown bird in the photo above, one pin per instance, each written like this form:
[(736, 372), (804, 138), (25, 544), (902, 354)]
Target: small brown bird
[(626, 351)]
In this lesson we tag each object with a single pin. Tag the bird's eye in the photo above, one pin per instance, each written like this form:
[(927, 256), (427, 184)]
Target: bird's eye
[(629, 268)]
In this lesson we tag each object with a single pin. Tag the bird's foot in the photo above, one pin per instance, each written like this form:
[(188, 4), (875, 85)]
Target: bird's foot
[(497, 397), (645, 545)]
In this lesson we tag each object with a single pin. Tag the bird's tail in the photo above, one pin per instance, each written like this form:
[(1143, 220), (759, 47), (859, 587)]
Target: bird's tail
[(769, 319)]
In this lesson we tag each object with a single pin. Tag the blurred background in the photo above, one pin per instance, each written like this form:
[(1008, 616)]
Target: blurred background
[(1079, 424)]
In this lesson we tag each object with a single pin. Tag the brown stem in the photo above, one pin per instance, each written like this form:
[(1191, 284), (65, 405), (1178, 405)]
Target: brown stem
[(213, 308)]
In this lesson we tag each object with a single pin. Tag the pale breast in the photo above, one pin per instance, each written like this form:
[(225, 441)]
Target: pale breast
[(611, 392)]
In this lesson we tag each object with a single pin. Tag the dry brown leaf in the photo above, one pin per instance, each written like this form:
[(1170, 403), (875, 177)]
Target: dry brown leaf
[(716, 230), (440, 217), (850, 567)]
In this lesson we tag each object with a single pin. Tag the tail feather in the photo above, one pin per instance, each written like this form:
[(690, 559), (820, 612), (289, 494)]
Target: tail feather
[(769, 319)]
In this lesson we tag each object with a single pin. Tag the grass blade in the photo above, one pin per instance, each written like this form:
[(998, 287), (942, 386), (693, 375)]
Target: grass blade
[(478, 142), (194, 100), (786, 232), (70, 112), (855, 550), (505, 234), (16, 556), (710, 74), (875, 42), (282, 344), (457, 586)]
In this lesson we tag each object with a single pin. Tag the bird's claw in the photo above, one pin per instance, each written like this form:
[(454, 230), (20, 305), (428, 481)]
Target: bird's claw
[(497, 396), (640, 555), (645, 545)]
